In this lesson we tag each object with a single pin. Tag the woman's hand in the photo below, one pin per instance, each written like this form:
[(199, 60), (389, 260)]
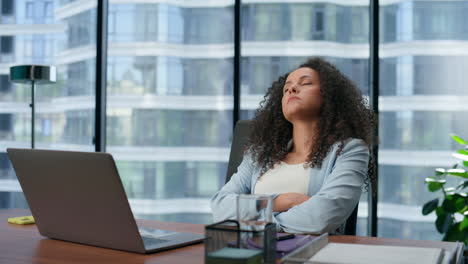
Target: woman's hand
[(285, 201)]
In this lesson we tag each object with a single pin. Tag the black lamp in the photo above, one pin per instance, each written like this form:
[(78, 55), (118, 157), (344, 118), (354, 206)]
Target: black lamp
[(33, 74)]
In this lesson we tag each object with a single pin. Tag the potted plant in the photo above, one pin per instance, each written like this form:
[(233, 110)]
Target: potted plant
[(451, 207)]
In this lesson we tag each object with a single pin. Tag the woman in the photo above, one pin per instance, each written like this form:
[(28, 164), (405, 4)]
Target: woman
[(309, 148)]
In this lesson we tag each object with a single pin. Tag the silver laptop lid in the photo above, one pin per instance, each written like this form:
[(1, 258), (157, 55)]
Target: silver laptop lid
[(78, 197)]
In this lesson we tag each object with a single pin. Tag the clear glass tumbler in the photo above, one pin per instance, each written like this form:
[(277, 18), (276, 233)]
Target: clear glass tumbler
[(254, 211)]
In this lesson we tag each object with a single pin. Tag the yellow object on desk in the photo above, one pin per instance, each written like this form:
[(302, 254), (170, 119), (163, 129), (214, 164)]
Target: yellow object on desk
[(22, 220)]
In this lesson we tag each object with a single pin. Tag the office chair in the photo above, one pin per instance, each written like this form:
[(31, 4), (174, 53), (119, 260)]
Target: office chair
[(239, 139)]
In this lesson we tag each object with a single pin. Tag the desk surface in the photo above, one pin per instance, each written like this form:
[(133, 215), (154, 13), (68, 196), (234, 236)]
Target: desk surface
[(24, 244)]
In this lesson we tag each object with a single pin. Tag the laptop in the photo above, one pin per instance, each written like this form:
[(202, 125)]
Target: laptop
[(79, 197)]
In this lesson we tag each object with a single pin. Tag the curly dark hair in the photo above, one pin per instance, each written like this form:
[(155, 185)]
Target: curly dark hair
[(344, 114)]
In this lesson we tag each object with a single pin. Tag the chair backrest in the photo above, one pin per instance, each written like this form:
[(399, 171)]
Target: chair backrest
[(351, 222), (239, 140)]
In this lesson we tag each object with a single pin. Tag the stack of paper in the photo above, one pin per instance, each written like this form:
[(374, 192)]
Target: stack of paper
[(363, 254)]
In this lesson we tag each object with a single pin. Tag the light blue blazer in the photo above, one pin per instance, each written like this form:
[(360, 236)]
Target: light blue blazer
[(334, 189)]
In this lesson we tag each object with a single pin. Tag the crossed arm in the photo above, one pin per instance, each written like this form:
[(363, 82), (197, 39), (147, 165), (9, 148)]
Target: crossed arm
[(286, 201)]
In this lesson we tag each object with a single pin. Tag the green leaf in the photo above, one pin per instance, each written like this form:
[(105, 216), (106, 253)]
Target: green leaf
[(460, 203), (455, 166), (440, 211), (458, 139), (449, 204), (433, 179), (465, 163), (464, 209), (463, 151), (454, 233), (460, 156), (458, 172), (434, 184), (464, 224), (443, 222), (440, 171), (449, 189), (430, 206)]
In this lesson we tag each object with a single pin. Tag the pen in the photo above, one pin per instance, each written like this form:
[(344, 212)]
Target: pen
[(288, 236)]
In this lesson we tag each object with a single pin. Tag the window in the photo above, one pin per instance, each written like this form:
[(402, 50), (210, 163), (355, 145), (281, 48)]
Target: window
[(409, 128), (39, 47), (63, 119), (205, 76), (78, 128), (6, 44), (76, 75), (356, 23), (5, 122), (177, 76), (7, 7), (301, 21), (5, 85), (175, 32), (200, 28), (82, 28), (319, 21), (169, 102), (268, 22), (48, 9), (288, 33), (29, 9), (390, 26)]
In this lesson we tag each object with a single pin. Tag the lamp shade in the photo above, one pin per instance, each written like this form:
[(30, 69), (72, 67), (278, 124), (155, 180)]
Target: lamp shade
[(40, 74)]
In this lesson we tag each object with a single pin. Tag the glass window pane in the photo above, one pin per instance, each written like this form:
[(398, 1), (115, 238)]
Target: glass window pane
[(278, 37), (169, 110), (423, 69), (65, 110), (7, 7)]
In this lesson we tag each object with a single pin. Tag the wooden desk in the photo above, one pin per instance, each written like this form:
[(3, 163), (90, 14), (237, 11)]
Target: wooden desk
[(24, 244)]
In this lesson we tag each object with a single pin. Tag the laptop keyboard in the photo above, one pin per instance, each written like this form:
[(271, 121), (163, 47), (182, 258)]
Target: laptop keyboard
[(151, 242)]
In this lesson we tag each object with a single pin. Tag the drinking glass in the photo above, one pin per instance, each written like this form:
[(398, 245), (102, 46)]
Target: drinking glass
[(254, 211)]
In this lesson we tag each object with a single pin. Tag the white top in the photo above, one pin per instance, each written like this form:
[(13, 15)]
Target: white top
[(284, 178)]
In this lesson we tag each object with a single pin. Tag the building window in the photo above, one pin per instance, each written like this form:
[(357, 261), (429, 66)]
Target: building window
[(268, 22), (4, 162), (6, 44), (4, 84), (318, 29), (5, 122), (29, 9), (48, 9), (7, 7), (319, 21)]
